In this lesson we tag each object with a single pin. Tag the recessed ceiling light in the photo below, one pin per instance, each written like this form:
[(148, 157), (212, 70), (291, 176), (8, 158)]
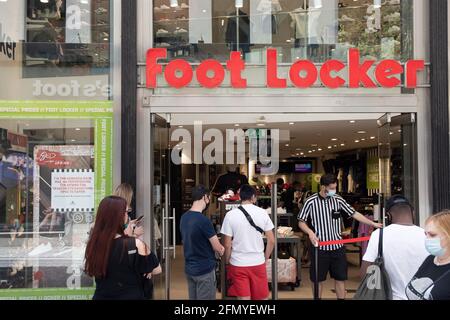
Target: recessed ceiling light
[(260, 124), (236, 125), (405, 145), (298, 154), (357, 141), (180, 126), (334, 139), (400, 131), (335, 146), (73, 140), (352, 121), (302, 153), (363, 139), (342, 144), (287, 145), (314, 151), (291, 123), (309, 151), (320, 149), (362, 132), (77, 129), (372, 138), (329, 147), (391, 133)]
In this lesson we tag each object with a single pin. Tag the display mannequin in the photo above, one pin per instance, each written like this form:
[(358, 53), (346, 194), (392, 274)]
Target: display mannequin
[(299, 25), (244, 31)]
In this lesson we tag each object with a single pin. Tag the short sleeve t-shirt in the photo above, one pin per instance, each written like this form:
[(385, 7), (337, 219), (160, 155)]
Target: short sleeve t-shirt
[(248, 244), (431, 282), (403, 251), (196, 230)]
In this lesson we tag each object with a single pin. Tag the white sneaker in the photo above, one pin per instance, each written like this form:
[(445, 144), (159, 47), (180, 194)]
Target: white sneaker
[(394, 30), (181, 31), (346, 18), (42, 248), (164, 7), (163, 45), (184, 6), (162, 31)]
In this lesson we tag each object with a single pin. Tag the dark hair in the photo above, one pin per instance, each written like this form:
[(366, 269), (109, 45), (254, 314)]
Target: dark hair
[(199, 192), (328, 179), (280, 181), (108, 223), (247, 192)]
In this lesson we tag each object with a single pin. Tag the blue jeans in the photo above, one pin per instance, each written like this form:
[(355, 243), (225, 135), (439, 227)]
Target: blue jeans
[(202, 287)]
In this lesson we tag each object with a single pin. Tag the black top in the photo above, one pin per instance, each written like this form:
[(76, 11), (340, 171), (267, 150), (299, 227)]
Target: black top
[(431, 282), (121, 281)]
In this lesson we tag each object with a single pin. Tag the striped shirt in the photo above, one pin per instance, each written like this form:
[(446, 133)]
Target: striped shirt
[(324, 216)]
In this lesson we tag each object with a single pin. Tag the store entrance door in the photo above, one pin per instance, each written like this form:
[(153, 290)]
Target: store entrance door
[(397, 150), (162, 221)]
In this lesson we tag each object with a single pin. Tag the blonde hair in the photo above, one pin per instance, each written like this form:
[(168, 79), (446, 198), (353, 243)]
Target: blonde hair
[(442, 221), (125, 191)]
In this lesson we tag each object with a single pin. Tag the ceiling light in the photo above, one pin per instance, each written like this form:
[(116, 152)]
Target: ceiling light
[(320, 149), (260, 124), (335, 146), (309, 151), (391, 133), (357, 141), (363, 139), (399, 131), (302, 153), (334, 139), (298, 149), (298, 154), (291, 123), (329, 147), (287, 145), (236, 125), (352, 121), (77, 129), (73, 140), (362, 132), (342, 144), (372, 138), (180, 126)]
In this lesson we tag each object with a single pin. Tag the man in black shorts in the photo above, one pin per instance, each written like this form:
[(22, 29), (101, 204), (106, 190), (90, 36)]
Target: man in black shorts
[(321, 219)]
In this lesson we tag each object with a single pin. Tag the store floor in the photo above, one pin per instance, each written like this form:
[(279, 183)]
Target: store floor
[(179, 289)]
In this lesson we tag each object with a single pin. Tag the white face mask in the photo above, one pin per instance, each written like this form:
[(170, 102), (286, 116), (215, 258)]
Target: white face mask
[(331, 193)]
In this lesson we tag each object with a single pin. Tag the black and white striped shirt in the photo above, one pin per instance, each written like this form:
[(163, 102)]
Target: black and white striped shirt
[(324, 215)]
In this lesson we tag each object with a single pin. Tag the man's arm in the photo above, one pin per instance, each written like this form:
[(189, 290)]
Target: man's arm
[(227, 244), (270, 243), (359, 217), (216, 245), (312, 236)]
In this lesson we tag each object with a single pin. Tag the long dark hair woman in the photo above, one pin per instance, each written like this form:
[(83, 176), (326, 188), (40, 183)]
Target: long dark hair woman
[(116, 261)]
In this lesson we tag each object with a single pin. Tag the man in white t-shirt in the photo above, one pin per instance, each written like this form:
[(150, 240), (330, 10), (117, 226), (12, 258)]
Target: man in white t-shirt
[(403, 246), (245, 258)]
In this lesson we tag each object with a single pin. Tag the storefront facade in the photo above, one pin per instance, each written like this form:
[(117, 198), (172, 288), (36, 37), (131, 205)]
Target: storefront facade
[(75, 87)]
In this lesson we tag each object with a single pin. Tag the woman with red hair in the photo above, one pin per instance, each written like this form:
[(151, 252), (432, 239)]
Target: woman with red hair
[(116, 261)]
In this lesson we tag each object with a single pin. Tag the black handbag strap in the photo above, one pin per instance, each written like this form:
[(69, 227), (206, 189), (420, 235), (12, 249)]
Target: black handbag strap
[(380, 244), (250, 220)]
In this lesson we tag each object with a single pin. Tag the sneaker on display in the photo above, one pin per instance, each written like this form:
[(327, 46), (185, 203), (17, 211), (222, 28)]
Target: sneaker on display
[(184, 6), (41, 249), (164, 7), (346, 18), (162, 31), (181, 31)]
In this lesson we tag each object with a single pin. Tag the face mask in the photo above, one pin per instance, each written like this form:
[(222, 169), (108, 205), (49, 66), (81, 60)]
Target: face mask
[(125, 225), (331, 193), (433, 246)]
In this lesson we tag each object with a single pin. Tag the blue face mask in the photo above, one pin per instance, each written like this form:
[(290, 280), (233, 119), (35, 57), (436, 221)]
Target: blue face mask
[(433, 246), (331, 193)]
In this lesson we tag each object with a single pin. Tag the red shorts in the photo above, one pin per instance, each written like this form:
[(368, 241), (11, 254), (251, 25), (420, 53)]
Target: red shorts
[(248, 282)]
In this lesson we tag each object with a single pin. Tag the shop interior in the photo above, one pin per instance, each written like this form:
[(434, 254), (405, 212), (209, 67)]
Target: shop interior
[(36, 240), (352, 146)]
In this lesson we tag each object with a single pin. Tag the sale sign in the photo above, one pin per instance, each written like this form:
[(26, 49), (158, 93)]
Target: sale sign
[(303, 73)]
